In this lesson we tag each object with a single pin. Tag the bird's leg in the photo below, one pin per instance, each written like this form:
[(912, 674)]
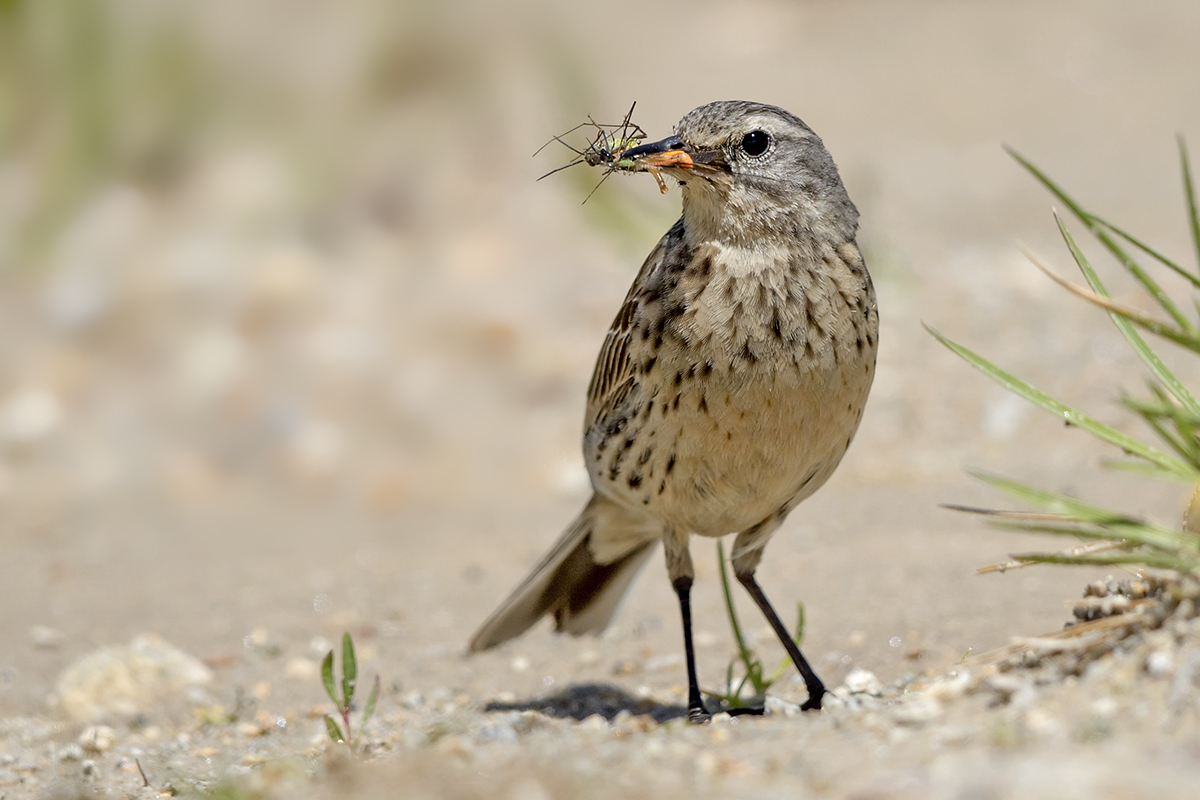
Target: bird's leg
[(696, 711), (679, 567), (816, 689), (747, 552)]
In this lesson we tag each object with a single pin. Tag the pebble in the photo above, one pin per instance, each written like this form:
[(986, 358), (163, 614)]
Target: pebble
[(774, 706), (1160, 663), (595, 722), (97, 738), (127, 680), (861, 681)]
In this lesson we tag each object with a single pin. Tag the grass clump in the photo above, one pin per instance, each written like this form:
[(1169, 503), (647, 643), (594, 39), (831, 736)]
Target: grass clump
[(1171, 411), (343, 733)]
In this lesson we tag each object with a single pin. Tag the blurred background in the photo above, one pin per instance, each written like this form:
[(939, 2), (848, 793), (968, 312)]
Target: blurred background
[(291, 339)]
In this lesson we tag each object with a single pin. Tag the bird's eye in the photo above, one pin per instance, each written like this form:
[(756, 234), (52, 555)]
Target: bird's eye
[(755, 143)]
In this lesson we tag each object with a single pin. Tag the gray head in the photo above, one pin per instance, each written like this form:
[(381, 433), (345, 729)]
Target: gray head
[(749, 169)]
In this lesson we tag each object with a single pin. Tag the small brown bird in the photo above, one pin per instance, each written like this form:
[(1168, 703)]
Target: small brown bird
[(731, 382)]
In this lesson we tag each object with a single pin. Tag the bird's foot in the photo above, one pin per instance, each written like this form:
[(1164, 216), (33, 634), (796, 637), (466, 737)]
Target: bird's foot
[(698, 715), (813, 703)]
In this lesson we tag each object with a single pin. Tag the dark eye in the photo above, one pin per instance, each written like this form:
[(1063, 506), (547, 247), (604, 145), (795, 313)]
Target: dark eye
[(755, 143)]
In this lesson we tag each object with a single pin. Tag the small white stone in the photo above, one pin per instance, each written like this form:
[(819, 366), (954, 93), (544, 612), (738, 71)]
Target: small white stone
[(861, 681), (97, 738), (1160, 663), (774, 706), (519, 664), (595, 722)]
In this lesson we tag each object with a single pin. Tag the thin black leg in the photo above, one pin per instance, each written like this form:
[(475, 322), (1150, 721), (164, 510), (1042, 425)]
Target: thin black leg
[(697, 713), (816, 689)]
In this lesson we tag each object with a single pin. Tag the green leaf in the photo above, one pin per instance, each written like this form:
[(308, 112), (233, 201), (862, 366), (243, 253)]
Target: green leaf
[(369, 711), (1143, 350), (1189, 191), (335, 733), (1120, 525), (1099, 232), (1178, 469), (349, 670), (327, 677), (799, 637)]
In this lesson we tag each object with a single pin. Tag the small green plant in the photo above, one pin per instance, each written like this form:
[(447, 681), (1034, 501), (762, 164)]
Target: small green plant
[(345, 704), (753, 672), (1172, 412)]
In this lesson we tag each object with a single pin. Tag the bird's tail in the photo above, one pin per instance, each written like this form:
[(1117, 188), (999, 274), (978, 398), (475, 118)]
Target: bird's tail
[(581, 581)]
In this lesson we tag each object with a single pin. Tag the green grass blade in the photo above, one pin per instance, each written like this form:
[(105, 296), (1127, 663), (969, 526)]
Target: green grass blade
[(335, 733), (1189, 191), (1119, 525), (327, 677), (1098, 230), (1139, 468), (349, 669), (1179, 469), (1139, 345), (743, 650), (1177, 444), (369, 710), (1157, 255)]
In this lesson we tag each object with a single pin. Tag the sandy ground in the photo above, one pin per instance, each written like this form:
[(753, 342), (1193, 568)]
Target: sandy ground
[(328, 376)]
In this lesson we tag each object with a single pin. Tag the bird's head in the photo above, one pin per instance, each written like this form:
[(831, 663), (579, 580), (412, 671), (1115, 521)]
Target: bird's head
[(749, 170)]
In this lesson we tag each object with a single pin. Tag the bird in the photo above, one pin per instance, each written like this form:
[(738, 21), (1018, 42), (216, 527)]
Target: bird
[(729, 385)]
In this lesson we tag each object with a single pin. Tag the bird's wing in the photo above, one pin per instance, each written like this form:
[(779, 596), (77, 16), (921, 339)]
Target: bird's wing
[(616, 374)]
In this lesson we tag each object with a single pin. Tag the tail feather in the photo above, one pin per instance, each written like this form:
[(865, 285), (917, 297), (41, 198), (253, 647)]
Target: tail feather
[(581, 590)]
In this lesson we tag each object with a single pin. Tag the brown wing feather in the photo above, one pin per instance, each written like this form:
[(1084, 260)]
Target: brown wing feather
[(615, 374)]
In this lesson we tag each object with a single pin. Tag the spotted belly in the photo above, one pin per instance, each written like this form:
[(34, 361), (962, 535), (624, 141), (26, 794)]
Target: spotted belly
[(717, 452)]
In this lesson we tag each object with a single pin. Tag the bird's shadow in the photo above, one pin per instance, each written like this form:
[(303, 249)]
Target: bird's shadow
[(583, 700)]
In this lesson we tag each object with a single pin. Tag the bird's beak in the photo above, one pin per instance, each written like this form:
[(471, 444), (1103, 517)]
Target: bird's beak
[(668, 153)]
